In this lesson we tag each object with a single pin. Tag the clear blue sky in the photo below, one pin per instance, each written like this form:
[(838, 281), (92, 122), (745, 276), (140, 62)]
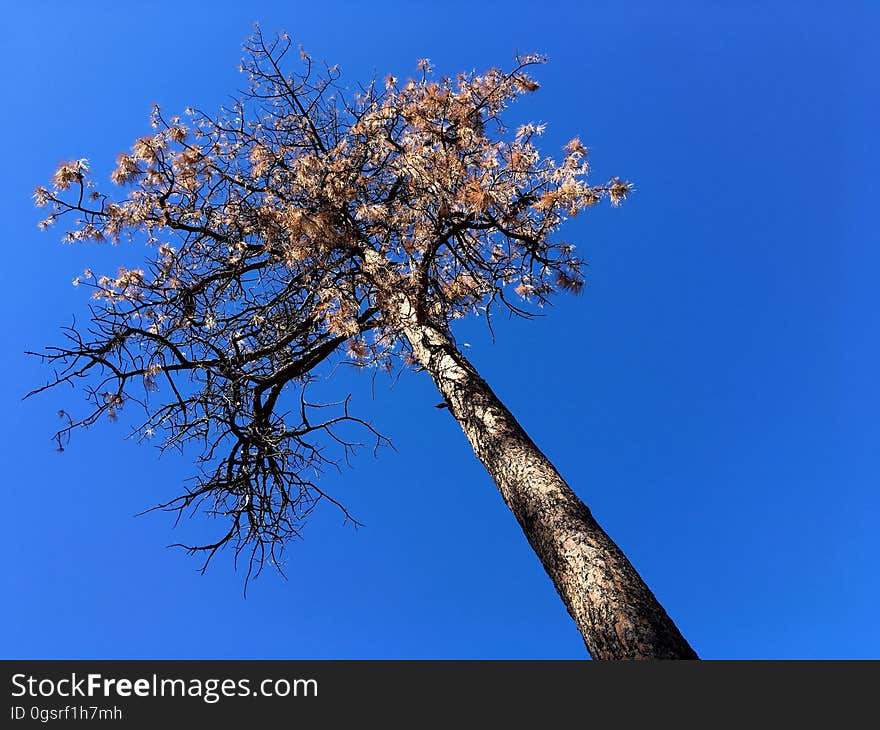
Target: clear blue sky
[(713, 395)]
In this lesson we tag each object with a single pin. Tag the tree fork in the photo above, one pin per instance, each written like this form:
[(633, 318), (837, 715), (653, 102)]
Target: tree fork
[(615, 611)]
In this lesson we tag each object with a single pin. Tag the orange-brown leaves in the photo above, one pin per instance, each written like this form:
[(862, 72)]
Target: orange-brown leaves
[(188, 164), (617, 190), (67, 173), (178, 133), (41, 196), (477, 197), (296, 223), (463, 288), (127, 169), (261, 159), (525, 84), (292, 183), (146, 149), (340, 317)]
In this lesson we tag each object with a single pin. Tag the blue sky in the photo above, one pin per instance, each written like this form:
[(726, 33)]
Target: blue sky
[(713, 394)]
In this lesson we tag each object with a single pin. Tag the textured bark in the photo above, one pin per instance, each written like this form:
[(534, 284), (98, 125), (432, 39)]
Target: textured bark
[(617, 614)]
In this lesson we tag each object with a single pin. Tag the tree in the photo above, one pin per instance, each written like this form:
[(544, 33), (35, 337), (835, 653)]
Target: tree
[(301, 225)]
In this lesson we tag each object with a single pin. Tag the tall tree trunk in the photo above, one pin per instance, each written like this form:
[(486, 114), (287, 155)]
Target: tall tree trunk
[(617, 614)]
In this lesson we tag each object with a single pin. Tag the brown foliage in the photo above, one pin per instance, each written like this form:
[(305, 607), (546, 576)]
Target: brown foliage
[(267, 221)]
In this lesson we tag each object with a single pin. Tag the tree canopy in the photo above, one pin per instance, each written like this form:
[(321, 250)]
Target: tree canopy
[(288, 229)]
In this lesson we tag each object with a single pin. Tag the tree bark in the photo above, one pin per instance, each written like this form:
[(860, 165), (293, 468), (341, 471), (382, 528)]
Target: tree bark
[(617, 614)]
